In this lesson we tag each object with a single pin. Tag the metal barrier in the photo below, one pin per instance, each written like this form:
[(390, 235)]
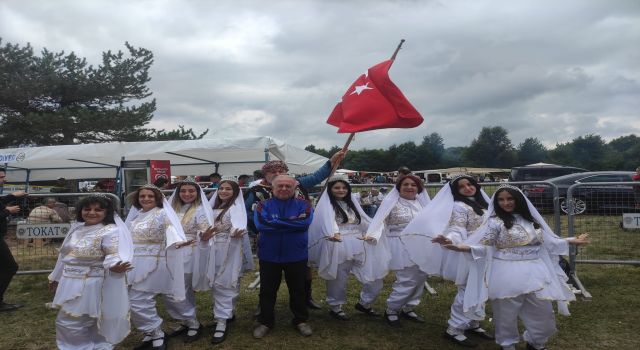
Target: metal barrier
[(608, 212), (35, 234)]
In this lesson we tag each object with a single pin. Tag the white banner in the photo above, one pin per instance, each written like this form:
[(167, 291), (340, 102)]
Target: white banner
[(29, 231), (631, 220)]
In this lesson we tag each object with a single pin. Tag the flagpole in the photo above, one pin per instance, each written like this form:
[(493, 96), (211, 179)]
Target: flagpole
[(345, 148)]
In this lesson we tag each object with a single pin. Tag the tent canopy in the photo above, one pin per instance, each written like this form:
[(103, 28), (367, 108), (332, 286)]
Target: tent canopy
[(187, 157)]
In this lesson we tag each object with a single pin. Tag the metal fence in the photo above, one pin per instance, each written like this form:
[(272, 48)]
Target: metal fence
[(596, 208), (608, 211)]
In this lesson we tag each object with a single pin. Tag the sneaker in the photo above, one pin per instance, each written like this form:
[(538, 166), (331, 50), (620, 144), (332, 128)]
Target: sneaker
[(260, 331), (304, 329)]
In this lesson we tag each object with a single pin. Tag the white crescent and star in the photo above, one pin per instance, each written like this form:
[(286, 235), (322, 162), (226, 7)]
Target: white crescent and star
[(358, 89)]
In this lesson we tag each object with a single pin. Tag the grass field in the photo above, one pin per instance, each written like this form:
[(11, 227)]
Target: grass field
[(608, 321)]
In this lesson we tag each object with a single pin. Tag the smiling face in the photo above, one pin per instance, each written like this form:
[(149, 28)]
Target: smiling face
[(93, 214), (188, 194), (506, 201), (339, 190), (147, 199), (466, 188), (408, 189), (225, 192)]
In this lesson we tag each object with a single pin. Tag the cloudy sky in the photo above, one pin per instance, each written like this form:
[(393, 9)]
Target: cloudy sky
[(550, 69)]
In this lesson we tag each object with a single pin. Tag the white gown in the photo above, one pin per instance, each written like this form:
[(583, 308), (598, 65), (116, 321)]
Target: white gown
[(82, 268)]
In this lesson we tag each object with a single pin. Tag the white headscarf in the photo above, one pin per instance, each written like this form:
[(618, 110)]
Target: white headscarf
[(476, 293)]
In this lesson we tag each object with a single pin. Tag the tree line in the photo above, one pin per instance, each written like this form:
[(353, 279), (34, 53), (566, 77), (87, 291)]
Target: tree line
[(492, 148)]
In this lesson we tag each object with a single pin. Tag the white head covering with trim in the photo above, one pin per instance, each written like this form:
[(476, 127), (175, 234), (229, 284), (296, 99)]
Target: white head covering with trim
[(476, 293), (203, 207), (432, 221)]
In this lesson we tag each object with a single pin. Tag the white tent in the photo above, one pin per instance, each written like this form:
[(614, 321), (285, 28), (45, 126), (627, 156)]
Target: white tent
[(188, 157)]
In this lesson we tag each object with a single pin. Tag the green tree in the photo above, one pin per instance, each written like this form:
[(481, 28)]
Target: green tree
[(531, 150), (492, 148), (57, 98), (431, 151)]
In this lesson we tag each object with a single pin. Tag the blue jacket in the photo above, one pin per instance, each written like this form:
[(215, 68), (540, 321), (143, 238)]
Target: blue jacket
[(307, 182), (282, 227)]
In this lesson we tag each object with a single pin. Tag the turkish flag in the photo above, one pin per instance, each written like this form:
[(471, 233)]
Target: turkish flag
[(372, 102)]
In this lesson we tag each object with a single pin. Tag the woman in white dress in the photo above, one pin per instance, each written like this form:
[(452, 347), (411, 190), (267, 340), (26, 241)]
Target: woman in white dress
[(221, 255), (88, 279), (515, 266), (157, 234), (337, 248), (454, 214), (196, 217), (408, 259)]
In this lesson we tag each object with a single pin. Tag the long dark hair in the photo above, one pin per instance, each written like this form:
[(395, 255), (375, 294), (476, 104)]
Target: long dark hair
[(226, 205), (521, 208), (347, 199), (478, 203), (102, 201)]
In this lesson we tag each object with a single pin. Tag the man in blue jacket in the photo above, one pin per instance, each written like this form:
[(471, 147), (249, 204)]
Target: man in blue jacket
[(282, 222)]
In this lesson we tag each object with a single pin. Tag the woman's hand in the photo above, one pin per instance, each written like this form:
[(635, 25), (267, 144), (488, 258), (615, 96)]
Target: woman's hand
[(367, 239), (121, 267), (458, 247), (237, 233), (442, 240), (184, 244), (208, 233), (582, 239), (335, 238), (53, 285)]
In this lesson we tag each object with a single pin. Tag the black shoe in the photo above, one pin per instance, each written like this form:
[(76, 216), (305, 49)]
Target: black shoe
[(480, 333), (412, 315), (369, 311), (311, 304), (191, 338), (391, 322), (178, 331), (9, 307), (144, 345), (340, 315), (219, 336), (464, 342), (530, 347), (165, 339)]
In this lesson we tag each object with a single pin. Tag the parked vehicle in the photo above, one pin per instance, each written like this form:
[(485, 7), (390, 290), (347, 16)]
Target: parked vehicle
[(607, 199), (541, 172)]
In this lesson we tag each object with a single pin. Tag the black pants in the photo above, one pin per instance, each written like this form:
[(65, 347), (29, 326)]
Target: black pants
[(8, 267), (295, 274)]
